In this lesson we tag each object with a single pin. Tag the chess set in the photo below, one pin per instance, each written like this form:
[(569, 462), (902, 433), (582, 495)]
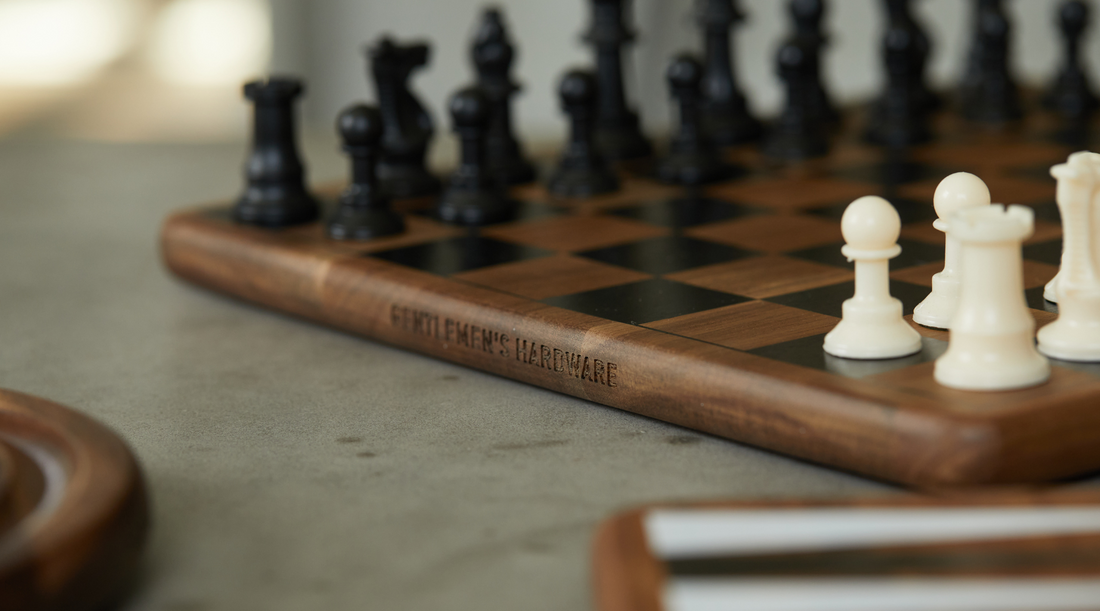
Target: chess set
[(695, 286)]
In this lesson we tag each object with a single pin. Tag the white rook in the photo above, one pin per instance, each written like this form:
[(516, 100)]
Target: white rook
[(992, 344), (872, 326)]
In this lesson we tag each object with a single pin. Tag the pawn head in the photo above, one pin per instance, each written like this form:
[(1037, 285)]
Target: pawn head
[(684, 73), (1073, 17), (469, 107), (870, 223), (793, 56), (807, 11), (957, 191), (360, 125), (577, 88)]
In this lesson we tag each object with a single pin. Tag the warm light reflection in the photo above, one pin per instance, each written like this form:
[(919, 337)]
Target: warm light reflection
[(211, 42), (59, 42)]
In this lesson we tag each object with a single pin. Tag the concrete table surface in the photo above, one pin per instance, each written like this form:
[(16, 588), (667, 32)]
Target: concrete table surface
[(293, 467)]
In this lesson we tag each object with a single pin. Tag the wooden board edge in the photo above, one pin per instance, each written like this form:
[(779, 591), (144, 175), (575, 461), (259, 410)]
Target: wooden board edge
[(923, 448), (625, 576)]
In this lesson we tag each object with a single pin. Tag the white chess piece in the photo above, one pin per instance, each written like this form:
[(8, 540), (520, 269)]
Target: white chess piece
[(992, 343), (872, 326), (957, 191), (1075, 335)]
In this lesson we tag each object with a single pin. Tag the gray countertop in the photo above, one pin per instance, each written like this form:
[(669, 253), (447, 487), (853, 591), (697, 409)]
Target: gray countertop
[(295, 467)]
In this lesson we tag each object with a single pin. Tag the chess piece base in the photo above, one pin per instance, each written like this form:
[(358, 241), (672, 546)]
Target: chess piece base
[(407, 182), (355, 224), (985, 363), (275, 207), (474, 208), (939, 307), (692, 168), (581, 182), (872, 331)]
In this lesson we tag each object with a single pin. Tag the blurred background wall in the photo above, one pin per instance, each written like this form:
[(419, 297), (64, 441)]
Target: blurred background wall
[(172, 69)]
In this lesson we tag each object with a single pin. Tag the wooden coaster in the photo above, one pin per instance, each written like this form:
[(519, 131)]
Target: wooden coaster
[(73, 510)]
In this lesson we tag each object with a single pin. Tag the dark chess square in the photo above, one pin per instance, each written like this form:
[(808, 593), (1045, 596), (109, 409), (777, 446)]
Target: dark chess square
[(460, 254), (646, 301), (667, 254)]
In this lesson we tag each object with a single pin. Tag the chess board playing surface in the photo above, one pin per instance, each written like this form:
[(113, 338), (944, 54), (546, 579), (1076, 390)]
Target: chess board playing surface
[(702, 308)]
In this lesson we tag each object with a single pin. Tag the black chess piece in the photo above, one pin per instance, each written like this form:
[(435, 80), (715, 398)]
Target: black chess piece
[(492, 54), (363, 212), (808, 16), (724, 113), (692, 158), (1071, 94), (407, 126), (900, 15), (990, 94), (276, 194), (900, 118), (582, 171), (798, 133), (474, 196), (618, 133)]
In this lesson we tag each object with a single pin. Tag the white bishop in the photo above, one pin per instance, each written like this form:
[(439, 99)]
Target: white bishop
[(1075, 336)]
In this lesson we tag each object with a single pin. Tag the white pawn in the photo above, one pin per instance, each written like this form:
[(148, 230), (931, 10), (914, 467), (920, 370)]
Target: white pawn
[(1075, 336), (872, 326), (957, 191), (992, 343)]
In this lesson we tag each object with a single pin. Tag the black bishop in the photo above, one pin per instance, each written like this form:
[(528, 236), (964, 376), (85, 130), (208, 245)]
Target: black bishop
[(492, 55), (1071, 95), (724, 112)]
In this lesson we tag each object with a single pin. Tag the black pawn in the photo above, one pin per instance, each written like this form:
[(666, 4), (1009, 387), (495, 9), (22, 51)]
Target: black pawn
[(276, 193), (990, 95), (798, 133), (474, 196), (1071, 95), (618, 133), (692, 159), (900, 118), (724, 112), (492, 55), (364, 211), (583, 171), (808, 16), (900, 16), (407, 127)]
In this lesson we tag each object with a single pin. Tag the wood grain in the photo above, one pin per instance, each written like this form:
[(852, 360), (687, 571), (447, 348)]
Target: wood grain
[(626, 575), (909, 430), (68, 543)]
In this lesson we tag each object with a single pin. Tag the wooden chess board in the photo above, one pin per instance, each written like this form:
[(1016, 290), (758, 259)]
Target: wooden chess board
[(701, 308)]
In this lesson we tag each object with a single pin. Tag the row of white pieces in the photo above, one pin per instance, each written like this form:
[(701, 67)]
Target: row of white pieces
[(980, 357)]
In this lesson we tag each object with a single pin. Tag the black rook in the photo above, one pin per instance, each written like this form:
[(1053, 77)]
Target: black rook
[(276, 194)]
